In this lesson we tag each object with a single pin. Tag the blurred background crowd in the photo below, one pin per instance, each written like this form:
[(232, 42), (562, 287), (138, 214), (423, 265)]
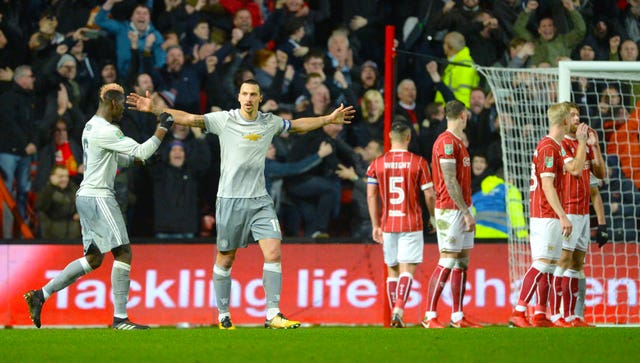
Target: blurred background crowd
[(308, 57)]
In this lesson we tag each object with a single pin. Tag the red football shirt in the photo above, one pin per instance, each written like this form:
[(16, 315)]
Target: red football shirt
[(576, 195), (449, 148), (401, 177), (548, 161)]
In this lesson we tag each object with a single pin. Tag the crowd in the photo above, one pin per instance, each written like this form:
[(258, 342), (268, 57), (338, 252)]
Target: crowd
[(308, 57)]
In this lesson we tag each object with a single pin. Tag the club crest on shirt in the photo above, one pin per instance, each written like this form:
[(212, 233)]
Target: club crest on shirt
[(119, 134), (562, 152), (448, 149), (548, 161), (252, 137)]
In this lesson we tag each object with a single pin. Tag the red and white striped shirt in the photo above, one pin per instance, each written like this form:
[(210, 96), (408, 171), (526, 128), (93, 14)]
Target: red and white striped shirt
[(401, 176), (576, 195), (449, 148), (548, 161)]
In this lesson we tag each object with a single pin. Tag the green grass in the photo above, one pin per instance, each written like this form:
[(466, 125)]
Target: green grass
[(322, 344)]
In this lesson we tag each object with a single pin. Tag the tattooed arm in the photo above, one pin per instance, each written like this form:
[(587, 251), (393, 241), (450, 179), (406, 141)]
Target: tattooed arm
[(455, 192)]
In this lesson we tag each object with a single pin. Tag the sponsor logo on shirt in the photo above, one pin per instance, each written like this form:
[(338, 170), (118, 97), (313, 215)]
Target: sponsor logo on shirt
[(252, 137)]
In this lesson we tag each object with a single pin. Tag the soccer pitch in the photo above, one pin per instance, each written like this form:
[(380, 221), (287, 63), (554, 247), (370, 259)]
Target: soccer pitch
[(322, 344)]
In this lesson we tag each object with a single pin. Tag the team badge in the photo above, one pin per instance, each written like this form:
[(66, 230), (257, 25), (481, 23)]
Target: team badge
[(548, 161), (119, 134), (448, 149), (562, 152)]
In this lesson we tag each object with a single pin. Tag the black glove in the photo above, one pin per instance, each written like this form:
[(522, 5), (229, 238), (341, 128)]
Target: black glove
[(166, 120), (603, 236)]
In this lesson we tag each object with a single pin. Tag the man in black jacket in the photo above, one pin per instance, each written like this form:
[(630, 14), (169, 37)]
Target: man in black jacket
[(18, 139)]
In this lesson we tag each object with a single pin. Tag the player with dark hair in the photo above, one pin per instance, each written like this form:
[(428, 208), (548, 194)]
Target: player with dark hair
[(454, 222), (244, 209), (103, 229), (398, 177)]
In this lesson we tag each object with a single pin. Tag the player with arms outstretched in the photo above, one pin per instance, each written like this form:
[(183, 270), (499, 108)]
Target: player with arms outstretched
[(398, 177), (244, 209), (105, 148)]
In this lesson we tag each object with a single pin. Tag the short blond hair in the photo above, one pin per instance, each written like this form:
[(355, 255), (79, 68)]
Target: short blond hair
[(558, 113)]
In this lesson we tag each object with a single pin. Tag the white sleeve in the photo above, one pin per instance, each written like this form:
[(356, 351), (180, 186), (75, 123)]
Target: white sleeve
[(215, 122), (112, 138), (124, 160)]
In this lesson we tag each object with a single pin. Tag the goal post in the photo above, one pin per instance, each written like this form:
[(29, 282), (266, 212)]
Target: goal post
[(607, 94)]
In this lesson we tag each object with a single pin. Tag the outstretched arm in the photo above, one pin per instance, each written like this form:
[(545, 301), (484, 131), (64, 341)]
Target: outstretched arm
[(341, 115), (144, 104)]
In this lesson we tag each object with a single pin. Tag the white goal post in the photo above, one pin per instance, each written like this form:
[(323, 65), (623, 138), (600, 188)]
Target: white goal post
[(522, 97)]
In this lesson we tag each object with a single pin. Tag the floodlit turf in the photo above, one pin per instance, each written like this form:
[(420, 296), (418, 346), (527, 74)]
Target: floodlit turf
[(322, 344)]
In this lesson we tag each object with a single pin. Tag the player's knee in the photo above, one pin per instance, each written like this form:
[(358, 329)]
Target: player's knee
[(447, 262), (462, 263), (94, 260)]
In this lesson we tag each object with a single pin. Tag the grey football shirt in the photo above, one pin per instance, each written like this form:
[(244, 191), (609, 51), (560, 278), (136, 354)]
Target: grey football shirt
[(243, 149)]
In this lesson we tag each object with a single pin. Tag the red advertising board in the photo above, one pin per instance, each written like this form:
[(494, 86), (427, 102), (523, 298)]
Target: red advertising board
[(322, 284)]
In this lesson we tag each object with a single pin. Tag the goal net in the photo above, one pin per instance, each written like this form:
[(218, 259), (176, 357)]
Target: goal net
[(608, 94)]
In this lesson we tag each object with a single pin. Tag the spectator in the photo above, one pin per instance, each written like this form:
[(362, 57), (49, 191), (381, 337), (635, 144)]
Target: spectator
[(18, 140), (175, 193), (406, 105), (370, 125), (339, 59), (621, 198), (59, 151), (518, 54), (365, 20), (599, 38), (174, 17), (139, 23), (631, 20), (56, 205), (550, 45), (459, 79), (243, 35), (303, 102), (273, 73), (275, 171), (628, 51), (307, 12), (624, 142), (293, 34), (182, 79), (313, 62), (360, 221), (369, 79), (317, 192), (458, 17), (196, 37), (485, 41), (47, 42), (497, 204)]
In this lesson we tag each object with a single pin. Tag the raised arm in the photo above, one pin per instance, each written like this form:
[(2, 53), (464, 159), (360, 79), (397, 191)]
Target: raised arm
[(144, 104), (575, 166), (341, 115)]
